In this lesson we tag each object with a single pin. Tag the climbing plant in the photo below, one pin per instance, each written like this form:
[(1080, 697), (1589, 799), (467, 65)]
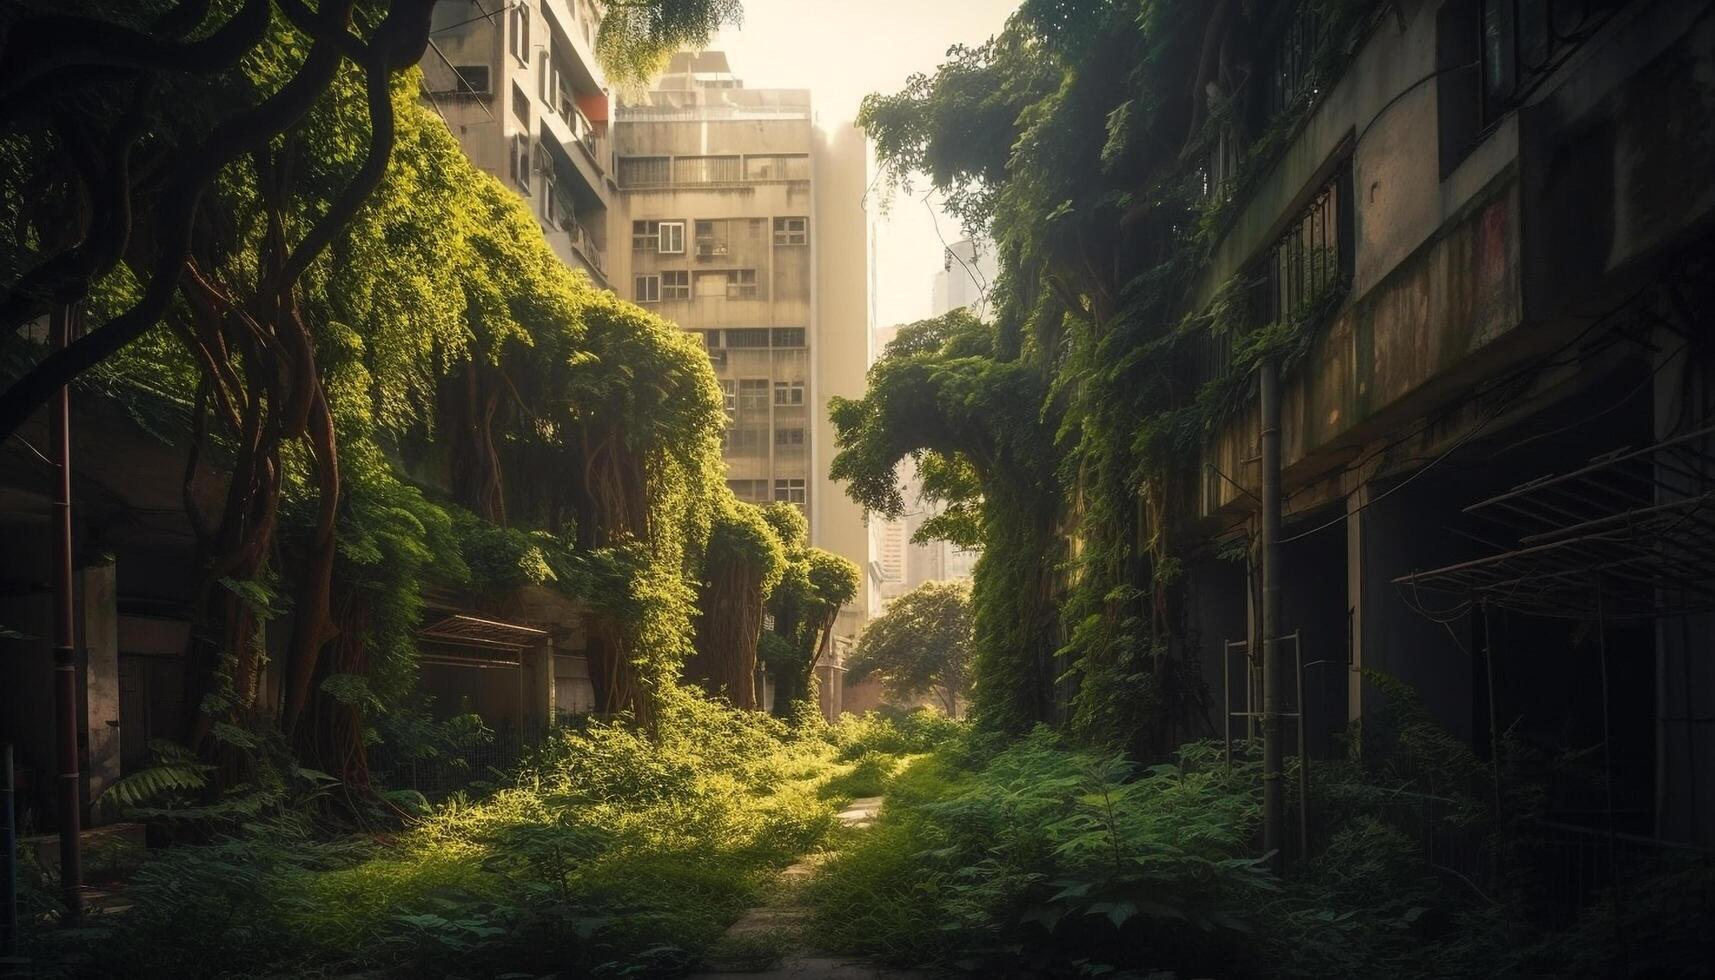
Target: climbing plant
[(1079, 141), (742, 565), (326, 300), (804, 605)]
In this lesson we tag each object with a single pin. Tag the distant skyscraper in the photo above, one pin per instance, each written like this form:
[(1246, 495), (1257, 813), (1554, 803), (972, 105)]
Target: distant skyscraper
[(966, 279)]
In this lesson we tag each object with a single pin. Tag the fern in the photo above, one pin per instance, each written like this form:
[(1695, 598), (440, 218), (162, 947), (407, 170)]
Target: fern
[(177, 774)]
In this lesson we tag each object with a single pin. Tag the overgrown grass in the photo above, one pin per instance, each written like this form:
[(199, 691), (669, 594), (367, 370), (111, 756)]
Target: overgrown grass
[(609, 854)]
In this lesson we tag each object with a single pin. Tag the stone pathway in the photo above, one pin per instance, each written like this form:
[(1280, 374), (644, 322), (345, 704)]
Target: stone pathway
[(759, 925)]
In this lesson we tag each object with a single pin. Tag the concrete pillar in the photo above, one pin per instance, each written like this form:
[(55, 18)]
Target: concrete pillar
[(537, 687), (1685, 673), (100, 662), (1356, 499)]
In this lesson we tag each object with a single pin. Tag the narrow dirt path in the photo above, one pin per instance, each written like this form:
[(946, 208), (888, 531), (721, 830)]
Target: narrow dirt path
[(759, 924)]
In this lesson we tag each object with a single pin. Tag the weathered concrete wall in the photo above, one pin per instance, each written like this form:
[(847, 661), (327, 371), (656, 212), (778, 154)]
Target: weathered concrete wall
[(841, 345), (1371, 368)]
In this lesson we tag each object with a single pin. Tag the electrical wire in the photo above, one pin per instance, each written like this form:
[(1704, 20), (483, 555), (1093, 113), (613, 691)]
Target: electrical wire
[(977, 279)]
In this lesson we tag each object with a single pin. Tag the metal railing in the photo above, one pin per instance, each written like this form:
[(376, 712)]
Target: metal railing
[(1292, 69), (584, 243), (1523, 41), (1311, 261)]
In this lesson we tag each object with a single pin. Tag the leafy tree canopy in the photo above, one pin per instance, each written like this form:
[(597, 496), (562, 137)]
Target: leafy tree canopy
[(920, 644)]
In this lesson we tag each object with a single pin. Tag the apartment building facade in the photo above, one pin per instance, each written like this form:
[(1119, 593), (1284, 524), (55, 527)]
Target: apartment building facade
[(743, 224), (519, 86), (1497, 451)]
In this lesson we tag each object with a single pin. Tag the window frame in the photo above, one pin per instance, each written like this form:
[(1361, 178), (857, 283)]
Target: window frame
[(520, 40), (639, 290), (784, 485), (789, 394), (677, 290), (661, 237), (785, 236), (754, 386), (738, 288)]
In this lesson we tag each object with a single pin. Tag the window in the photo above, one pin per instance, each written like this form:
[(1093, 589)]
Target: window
[(729, 396), (665, 237), (518, 162), (521, 33), (788, 392), (777, 167), (788, 438), (646, 289), (634, 171), (676, 285), (1309, 266), (747, 337), (753, 395), (791, 231), (470, 79), (672, 238), (1524, 41), (705, 170), (741, 284), (788, 336), (712, 339), (755, 491), (520, 107), (744, 441), (711, 239), (791, 491), (544, 81)]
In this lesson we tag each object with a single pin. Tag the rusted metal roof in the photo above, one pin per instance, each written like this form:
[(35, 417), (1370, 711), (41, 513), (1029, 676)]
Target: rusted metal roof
[(459, 629)]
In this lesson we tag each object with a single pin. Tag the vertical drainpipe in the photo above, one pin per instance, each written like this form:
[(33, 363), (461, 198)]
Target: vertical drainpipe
[(1273, 836), (65, 653)]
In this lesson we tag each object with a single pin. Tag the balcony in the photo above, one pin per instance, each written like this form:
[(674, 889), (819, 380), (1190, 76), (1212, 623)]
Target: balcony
[(571, 240)]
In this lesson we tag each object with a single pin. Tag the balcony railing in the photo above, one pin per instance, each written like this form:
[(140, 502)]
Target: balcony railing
[(584, 243)]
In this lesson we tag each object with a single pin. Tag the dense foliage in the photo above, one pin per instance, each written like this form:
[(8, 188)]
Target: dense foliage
[(373, 338), (920, 644), (1033, 857), (804, 605), (1078, 140), (607, 854)]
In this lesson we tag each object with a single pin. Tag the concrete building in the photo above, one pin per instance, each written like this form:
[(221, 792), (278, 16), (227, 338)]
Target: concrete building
[(1498, 449), (519, 86), (744, 223)]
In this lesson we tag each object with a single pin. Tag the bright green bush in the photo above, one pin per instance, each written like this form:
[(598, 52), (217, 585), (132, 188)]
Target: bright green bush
[(609, 852)]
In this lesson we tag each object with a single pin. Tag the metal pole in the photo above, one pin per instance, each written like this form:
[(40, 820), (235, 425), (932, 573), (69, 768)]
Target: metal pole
[(1608, 760), (8, 881), (1272, 814), (1494, 726), (1227, 703), (65, 652), (1303, 752)]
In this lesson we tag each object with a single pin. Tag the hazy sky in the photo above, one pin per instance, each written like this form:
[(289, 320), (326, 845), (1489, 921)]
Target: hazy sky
[(841, 50)]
